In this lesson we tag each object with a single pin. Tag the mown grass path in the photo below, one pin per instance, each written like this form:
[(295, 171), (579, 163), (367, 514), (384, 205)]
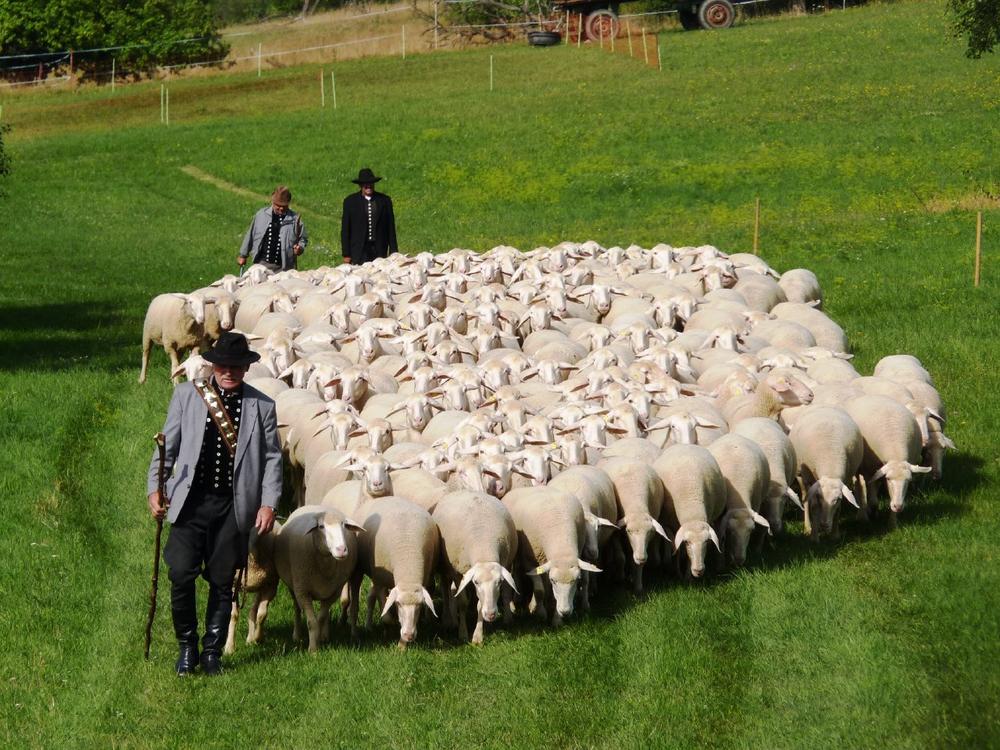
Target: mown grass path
[(856, 129)]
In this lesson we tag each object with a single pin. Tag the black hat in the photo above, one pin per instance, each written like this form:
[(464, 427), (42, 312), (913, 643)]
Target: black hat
[(366, 177), (231, 349)]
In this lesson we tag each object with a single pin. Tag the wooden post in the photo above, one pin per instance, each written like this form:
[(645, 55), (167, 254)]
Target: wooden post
[(435, 24), (491, 72), (979, 247), (403, 27), (162, 99), (322, 88), (600, 29), (333, 89), (659, 57), (71, 62), (259, 46), (613, 35), (567, 26), (112, 75), (579, 33), (756, 225), (628, 30), (167, 112), (645, 46)]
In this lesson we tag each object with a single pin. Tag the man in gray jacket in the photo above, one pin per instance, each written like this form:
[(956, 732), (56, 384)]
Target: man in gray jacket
[(277, 236), (223, 463)]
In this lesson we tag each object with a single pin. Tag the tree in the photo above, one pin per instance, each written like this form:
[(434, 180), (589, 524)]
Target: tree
[(145, 33), (979, 22)]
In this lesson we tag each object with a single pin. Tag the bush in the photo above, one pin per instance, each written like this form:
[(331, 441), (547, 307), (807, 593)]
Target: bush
[(979, 22), (149, 32)]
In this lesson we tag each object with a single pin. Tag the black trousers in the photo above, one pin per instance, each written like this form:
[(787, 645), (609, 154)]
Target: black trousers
[(368, 252), (204, 541)]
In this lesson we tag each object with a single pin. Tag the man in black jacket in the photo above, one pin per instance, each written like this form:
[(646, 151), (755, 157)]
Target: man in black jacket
[(367, 226)]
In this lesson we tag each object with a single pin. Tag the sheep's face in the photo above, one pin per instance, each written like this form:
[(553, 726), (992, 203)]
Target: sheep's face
[(737, 526), (340, 430), (488, 581), (196, 304), (225, 307), (824, 506), (376, 477), (333, 538), (695, 537), (774, 508), (564, 580)]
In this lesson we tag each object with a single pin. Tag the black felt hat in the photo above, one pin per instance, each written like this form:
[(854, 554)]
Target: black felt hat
[(231, 349), (366, 177)]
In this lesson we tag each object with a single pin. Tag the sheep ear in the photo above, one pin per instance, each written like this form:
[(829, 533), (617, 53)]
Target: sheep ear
[(878, 475), (706, 423), (390, 600), (353, 526), (601, 521), (178, 371), (509, 579), (793, 497), (919, 469), (715, 538), (849, 495), (947, 442), (761, 521), (658, 528), (469, 574), (589, 567), (428, 601), (540, 570), (679, 538)]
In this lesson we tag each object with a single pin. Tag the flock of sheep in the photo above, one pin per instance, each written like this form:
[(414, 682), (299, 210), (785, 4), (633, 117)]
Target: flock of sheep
[(515, 423)]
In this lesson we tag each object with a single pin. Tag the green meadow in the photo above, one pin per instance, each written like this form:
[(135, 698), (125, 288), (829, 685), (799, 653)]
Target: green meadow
[(869, 139)]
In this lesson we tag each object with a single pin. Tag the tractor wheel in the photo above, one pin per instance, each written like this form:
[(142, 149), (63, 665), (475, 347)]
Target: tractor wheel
[(601, 24), (716, 14)]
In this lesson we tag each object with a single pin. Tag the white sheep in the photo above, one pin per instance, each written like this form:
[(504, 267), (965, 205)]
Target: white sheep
[(781, 462), (398, 553), (177, 322), (829, 449), (315, 555), (694, 499), (260, 579), (478, 546), (747, 474)]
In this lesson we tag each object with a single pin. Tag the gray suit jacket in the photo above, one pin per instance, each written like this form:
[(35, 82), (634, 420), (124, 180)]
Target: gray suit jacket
[(292, 231), (256, 468)]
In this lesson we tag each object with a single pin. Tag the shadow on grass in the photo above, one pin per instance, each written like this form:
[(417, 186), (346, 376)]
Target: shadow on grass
[(928, 503), (63, 335)]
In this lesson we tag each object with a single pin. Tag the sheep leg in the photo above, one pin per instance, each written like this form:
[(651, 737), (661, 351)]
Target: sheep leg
[(147, 348), (537, 606), (296, 621), (345, 603), (258, 613), (448, 617), (584, 590), (477, 634), (234, 619), (805, 517), (637, 579), (507, 604), (353, 605), (312, 621), (324, 620), (462, 605), (372, 596), (175, 360), (619, 559)]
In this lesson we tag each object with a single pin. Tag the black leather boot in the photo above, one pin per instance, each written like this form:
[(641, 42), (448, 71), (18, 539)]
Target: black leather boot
[(217, 614), (185, 617)]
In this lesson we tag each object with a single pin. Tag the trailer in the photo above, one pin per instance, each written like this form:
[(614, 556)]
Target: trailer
[(600, 20)]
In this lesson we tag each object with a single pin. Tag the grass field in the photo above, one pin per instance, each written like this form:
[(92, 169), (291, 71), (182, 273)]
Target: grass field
[(865, 133)]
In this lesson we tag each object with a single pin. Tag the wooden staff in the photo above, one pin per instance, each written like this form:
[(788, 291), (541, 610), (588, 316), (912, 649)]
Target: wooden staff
[(161, 483)]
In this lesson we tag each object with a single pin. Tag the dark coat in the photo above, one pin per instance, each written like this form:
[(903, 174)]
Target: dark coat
[(354, 227)]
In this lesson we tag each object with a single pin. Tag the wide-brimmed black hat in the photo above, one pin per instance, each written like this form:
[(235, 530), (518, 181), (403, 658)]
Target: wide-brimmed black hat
[(233, 350), (366, 177)]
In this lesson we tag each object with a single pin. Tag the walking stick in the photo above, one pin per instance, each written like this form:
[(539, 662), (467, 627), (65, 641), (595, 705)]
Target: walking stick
[(161, 445)]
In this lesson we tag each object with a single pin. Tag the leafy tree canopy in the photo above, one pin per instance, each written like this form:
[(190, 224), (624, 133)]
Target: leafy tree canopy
[(979, 22)]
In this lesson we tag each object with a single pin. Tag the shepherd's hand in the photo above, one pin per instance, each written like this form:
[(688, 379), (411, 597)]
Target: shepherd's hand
[(240, 260), (156, 506), (265, 520), (297, 249)]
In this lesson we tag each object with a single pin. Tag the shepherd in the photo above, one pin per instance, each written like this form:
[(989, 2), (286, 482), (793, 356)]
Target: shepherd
[(367, 225), (223, 460), (277, 236)]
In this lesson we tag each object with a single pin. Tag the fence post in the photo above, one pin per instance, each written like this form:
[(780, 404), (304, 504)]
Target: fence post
[(567, 26), (162, 98), (579, 33), (613, 35), (435, 24), (167, 115), (322, 88), (645, 46), (491, 72), (659, 56), (628, 30), (600, 30), (71, 62), (112, 75), (979, 247), (403, 32), (259, 46)]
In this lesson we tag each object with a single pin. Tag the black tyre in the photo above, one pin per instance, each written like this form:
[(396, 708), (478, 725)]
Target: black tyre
[(688, 19), (716, 14), (544, 38)]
